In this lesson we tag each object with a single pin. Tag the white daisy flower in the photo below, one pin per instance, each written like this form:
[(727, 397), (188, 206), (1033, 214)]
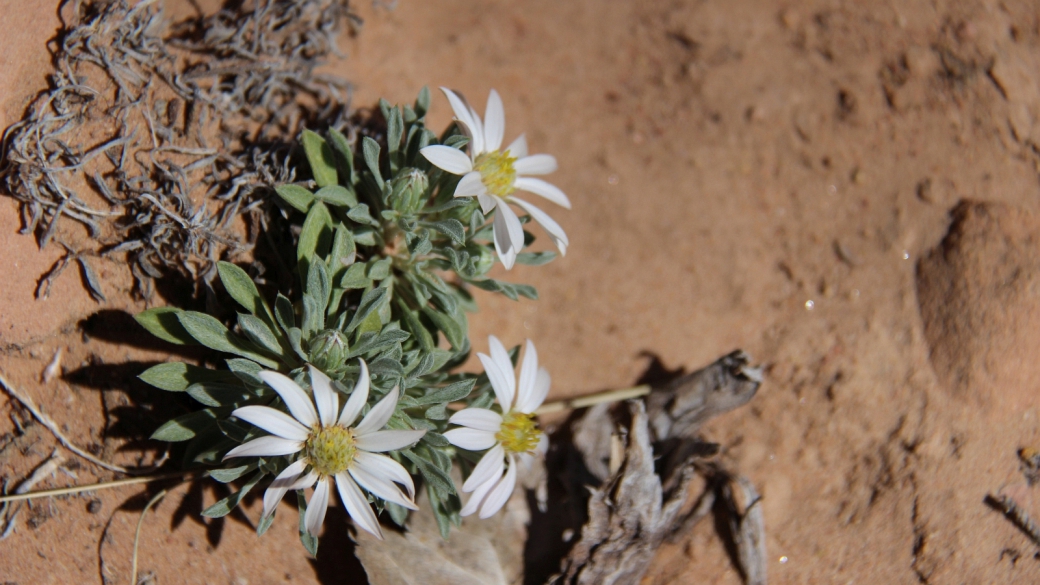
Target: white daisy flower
[(330, 448), (512, 437), (493, 175)]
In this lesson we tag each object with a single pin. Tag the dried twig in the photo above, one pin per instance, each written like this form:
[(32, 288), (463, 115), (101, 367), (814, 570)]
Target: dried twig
[(43, 471), (198, 130), (137, 534)]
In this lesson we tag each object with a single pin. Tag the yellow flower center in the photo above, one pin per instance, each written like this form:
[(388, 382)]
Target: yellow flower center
[(330, 450), (497, 172), (518, 433)]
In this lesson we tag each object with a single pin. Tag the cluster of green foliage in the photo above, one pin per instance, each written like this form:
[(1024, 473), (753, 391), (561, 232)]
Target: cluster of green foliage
[(386, 256)]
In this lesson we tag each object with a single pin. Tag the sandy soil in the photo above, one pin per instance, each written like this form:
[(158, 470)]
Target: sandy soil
[(772, 176)]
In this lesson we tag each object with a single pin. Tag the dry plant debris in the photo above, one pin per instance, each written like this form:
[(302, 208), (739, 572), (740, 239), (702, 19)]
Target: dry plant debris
[(155, 136), (640, 503)]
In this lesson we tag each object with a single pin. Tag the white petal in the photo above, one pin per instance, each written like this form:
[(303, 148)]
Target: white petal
[(380, 487), (487, 202), (465, 115), (265, 447), (470, 186), (293, 396), (357, 399), (494, 122), (541, 390), (325, 397), (505, 365), (382, 441), (377, 417), (488, 469), (450, 159), (272, 497), (478, 496), (273, 421), (357, 505), (317, 507), (481, 419), (478, 147), (500, 382), (536, 164), (518, 148), (304, 481), (279, 486), (516, 229), (471, 439), (526, 386), (540, 187), (388, 468), (551, 227), (500, 495)]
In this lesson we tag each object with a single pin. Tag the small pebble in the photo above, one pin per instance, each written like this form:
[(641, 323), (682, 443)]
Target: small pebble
[(94, 506)]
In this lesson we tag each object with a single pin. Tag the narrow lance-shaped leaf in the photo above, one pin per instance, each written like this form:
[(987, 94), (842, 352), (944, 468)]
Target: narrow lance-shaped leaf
[(242, 288), (315, 237), (370, 302), (299, 198), (370, 150), (320, 158), (162, 322), (177, 376), (210, 332)]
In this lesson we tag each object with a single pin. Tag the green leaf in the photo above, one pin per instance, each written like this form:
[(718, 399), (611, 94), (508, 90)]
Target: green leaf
[(513, 291), (177, 376), (449, 393), (343, 253), (370, 302), (438, 480), (386, 367), (283, 310), (360, 214), (318, 283), (452, 228), (337, 195), (210, 332), (320, 158), (379, 269), (422, 103), (344, 156), (446, 324), (246, 370), (186, 426), (313, 316), (370, 342), (417, 329), (355, 277), (225, 506), (535, 258), (230, 474), (214, 394), (259, 333), (265, 523), (370, 150), (162, 322), (315, 237), (243, 290), (299, 198)]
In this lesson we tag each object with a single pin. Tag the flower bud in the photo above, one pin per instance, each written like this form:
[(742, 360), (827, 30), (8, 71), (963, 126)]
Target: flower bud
[(328, 350), (408, 190)]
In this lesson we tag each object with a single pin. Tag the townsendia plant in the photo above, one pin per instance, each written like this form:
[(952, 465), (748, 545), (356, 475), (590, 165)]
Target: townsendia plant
[(389, 246)]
